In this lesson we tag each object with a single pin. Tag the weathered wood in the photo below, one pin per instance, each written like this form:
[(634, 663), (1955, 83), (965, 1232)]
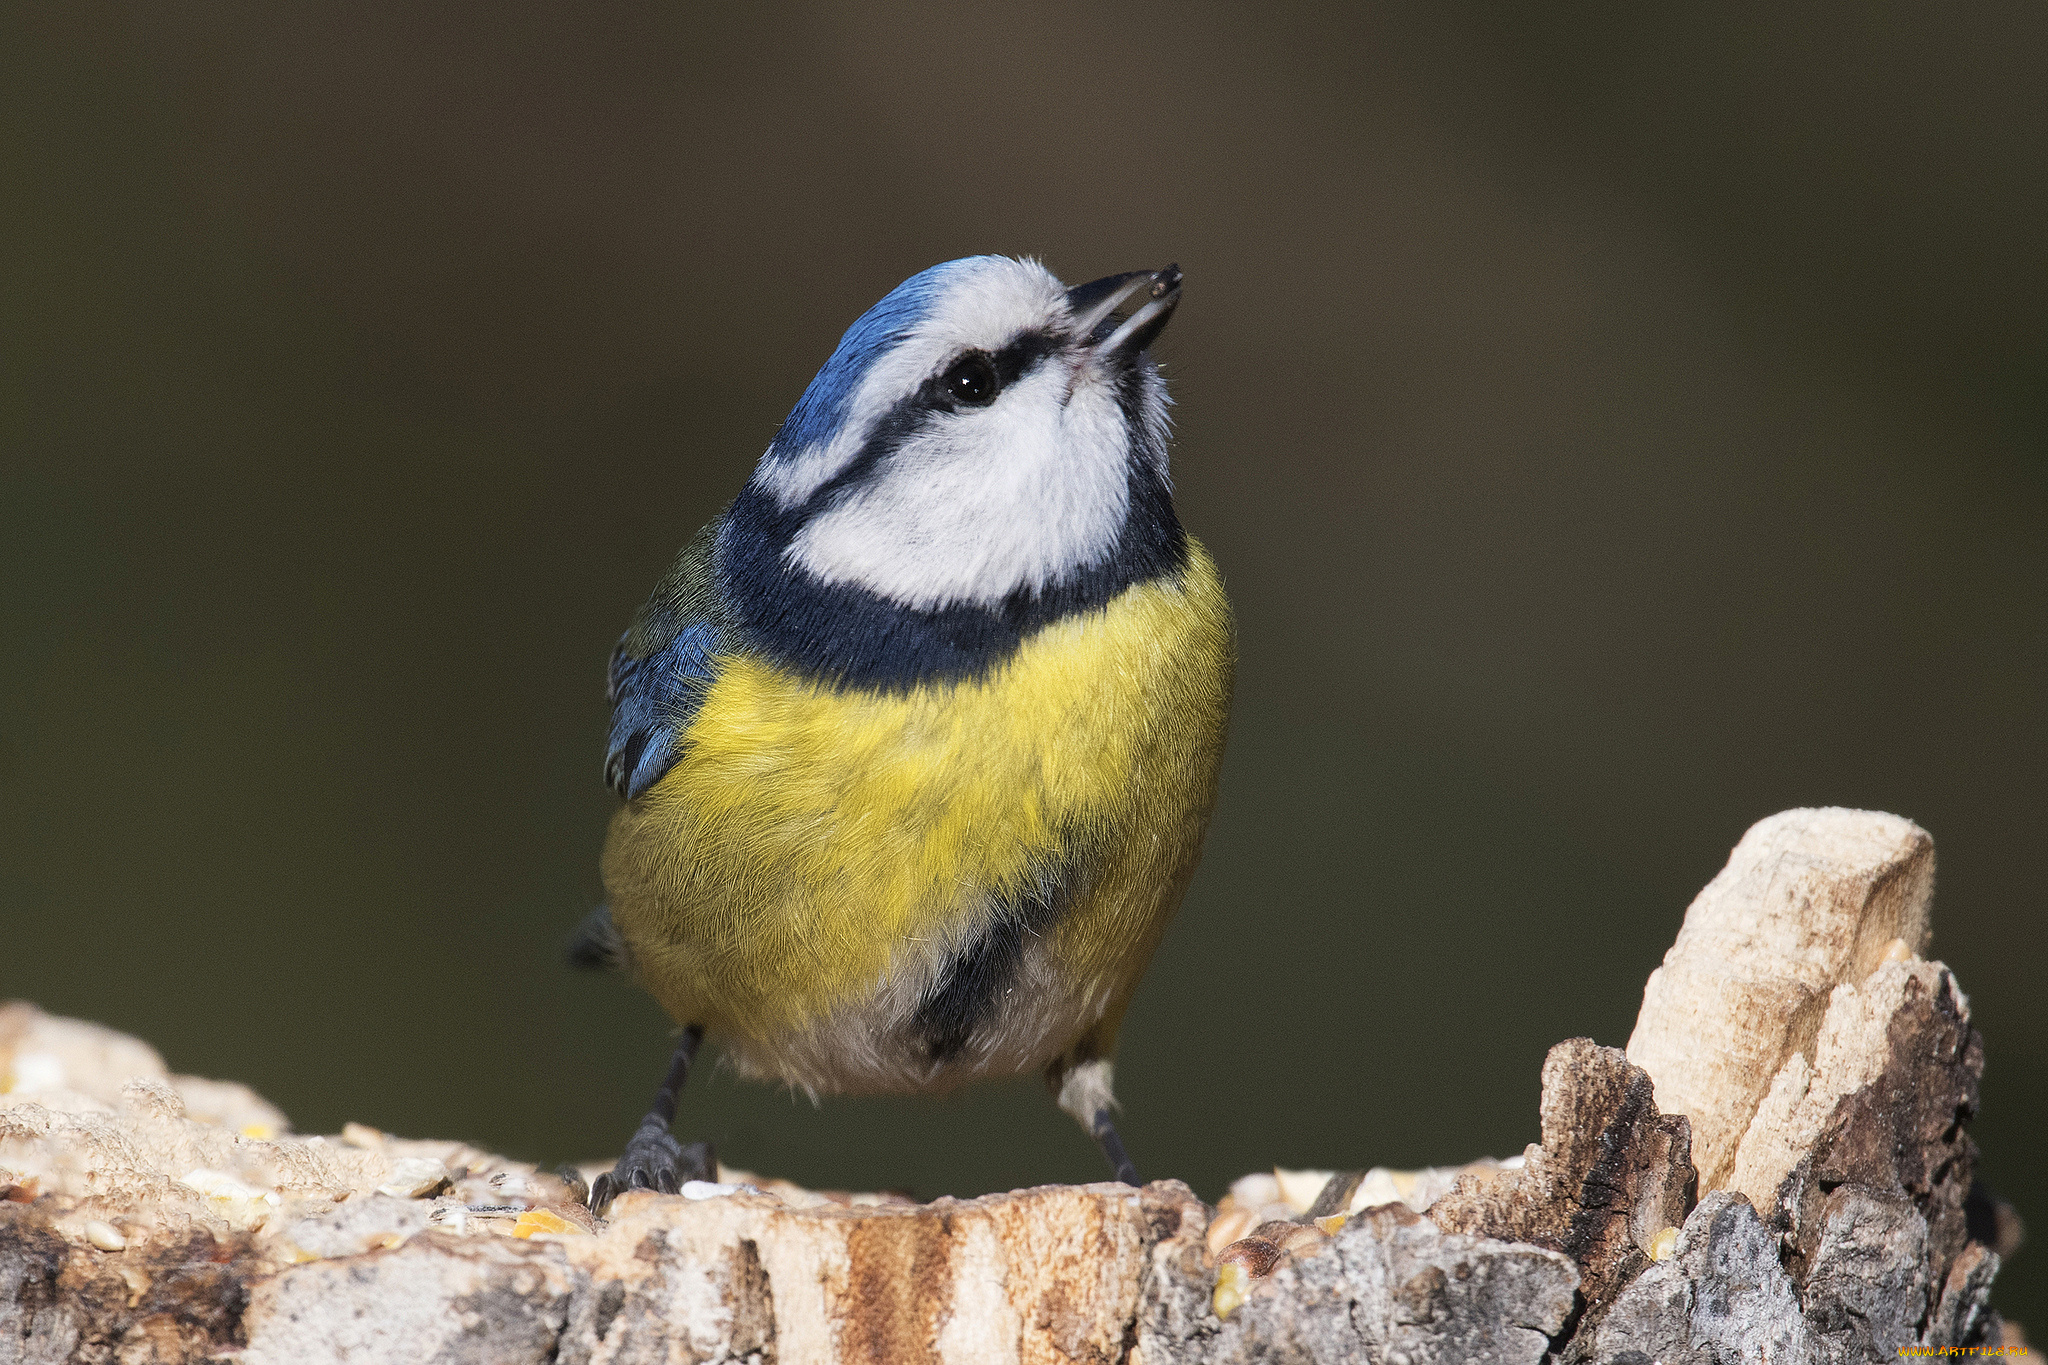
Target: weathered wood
[(1610, 1174), (151, 1217), (1390, 1286), (1809, 899)]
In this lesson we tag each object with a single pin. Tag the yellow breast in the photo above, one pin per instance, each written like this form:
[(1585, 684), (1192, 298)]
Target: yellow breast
[(810, 835)]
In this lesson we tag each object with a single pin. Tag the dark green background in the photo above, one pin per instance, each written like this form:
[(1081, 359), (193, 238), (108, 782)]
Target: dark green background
[(1617, 424)]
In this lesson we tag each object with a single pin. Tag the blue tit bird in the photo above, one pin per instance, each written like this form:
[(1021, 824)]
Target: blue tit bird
[(919, 738)]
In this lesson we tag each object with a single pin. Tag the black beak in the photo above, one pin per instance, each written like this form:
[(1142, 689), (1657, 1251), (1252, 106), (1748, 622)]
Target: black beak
[(1095, 303)]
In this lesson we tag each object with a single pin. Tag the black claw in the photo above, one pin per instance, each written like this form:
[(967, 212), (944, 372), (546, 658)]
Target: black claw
[(653, 1159)]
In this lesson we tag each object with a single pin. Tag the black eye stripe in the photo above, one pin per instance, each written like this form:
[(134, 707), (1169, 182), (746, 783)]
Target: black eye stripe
[(1011, 363), (1022, 353), (915, 409)]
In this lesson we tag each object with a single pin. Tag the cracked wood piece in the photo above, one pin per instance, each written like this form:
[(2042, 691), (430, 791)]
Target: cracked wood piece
[(1867, 1283), (1722, 1296), (1039, 1277), (1610, 1174), (1049, 1276), (1809, 899), (1726, 1294), (1880, 1112), (179, 1300), (1390, 1286), (437, 1297)]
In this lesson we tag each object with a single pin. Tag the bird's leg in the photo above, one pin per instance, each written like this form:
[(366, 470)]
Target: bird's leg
[(653, 1159), (1105, 1135), (1083, 1089)]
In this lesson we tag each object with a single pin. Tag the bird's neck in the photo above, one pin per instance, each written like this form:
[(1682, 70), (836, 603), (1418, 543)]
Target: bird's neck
[(850, 635)]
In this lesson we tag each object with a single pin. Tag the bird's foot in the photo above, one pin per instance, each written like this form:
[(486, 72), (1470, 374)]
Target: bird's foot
[(653, 1160)]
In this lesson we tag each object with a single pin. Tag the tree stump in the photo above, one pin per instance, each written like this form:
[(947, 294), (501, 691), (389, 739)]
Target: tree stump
[(1776, 1169)]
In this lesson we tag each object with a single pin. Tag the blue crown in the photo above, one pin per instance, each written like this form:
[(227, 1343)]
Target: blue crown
[(822, 409)]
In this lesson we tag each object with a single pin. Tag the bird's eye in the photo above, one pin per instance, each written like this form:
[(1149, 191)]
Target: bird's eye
[(973, 380)]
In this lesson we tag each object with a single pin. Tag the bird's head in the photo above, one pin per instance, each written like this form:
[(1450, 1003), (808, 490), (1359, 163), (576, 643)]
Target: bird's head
[(982, 432)]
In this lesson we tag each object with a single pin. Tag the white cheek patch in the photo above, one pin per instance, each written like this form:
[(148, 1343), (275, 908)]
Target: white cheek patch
[(984, 502), (791, 479)]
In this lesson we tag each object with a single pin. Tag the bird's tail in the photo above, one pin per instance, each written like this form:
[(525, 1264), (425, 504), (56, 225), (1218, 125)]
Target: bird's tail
[(596, 943)]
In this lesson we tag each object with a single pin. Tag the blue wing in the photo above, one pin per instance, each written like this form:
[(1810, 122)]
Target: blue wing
[(652, 700), (662, 668)]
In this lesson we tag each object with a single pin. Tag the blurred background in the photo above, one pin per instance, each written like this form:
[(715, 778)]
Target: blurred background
[(1616, 424)]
